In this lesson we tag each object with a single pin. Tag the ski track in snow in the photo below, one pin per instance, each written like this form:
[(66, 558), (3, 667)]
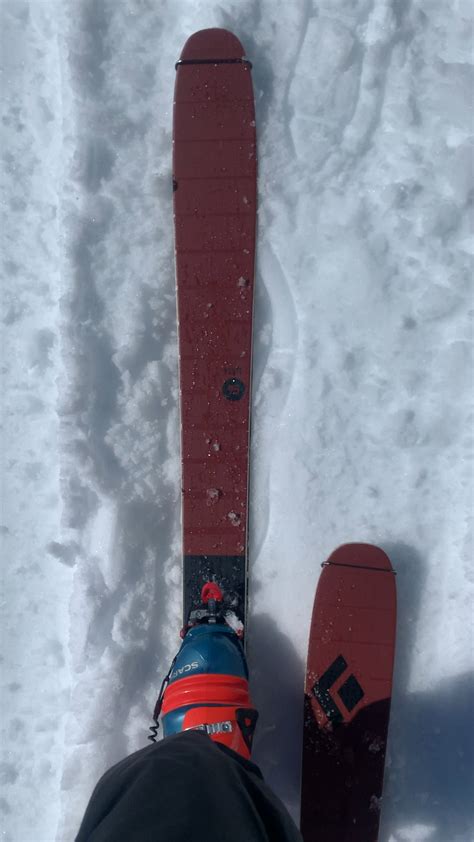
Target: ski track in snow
[(362, 396)]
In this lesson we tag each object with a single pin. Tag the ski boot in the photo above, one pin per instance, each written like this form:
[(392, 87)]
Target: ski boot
[(206, 688)]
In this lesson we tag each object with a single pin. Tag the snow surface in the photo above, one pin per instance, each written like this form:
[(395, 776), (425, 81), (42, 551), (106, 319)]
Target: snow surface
[(362, 380)]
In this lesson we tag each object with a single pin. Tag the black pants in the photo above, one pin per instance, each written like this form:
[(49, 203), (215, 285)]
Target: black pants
[(185, 788)]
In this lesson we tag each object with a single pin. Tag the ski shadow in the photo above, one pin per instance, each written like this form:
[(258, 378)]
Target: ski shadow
[(277, 680), (429, 777)]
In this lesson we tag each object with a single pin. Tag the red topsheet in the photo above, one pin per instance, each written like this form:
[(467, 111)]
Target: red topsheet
[(214, 164)]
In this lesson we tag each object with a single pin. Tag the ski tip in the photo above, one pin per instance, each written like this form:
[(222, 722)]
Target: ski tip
[(367, 556), (212, 44)]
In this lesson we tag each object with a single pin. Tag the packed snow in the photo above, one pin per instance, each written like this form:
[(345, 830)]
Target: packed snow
[(362, 397)]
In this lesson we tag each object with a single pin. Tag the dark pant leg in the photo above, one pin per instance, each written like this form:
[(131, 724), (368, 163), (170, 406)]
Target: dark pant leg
[(185, 788)]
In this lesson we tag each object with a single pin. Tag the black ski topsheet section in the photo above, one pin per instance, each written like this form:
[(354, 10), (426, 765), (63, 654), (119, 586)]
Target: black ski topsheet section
[(344, 803), (228, 571)]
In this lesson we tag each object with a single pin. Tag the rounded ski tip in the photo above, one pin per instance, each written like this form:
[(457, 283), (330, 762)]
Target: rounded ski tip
[(212, 44), (361, 555)]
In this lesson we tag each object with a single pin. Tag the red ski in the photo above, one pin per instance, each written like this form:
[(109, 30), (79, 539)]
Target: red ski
[(347, 696), (214, 166)]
